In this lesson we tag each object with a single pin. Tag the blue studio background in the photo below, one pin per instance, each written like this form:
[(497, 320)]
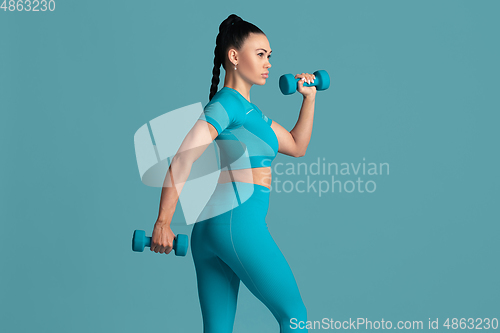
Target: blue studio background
[(414, 84)]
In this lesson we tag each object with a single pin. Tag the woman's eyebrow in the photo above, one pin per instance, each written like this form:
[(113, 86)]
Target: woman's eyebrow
[(265, 50)]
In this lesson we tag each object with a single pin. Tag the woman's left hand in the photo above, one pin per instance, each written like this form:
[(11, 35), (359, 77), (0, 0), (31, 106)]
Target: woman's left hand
[(306, 91)]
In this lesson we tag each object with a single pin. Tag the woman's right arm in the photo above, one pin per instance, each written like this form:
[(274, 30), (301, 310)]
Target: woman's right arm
[(194, 144)]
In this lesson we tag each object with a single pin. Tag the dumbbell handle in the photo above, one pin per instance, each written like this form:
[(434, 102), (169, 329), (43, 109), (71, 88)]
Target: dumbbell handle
[(313, 83), (148, 242)]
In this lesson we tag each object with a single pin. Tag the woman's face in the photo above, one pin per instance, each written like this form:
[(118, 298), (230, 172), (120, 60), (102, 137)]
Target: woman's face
[(253, 59)]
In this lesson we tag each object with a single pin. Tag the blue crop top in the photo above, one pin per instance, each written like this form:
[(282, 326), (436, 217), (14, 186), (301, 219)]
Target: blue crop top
[(245, 137)]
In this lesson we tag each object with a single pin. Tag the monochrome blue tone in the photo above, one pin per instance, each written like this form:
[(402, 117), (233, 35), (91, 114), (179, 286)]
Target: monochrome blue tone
[(413, 84)]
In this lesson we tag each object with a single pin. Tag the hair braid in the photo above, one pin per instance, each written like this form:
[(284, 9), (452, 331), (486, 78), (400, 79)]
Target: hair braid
[(215, 76)]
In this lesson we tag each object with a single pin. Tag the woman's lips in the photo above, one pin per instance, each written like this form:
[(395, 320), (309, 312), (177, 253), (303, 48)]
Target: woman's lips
[(265, 75)]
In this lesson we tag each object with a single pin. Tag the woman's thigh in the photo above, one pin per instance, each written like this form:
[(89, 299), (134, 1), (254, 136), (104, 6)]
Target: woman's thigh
[(241, 240), (218, 285), (251, 252)]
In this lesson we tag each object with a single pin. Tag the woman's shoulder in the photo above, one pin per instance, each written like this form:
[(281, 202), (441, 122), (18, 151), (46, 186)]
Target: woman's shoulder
[(228, 99), (230, 102)]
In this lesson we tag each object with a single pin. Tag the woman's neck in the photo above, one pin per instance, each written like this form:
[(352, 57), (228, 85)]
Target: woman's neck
[(242, 87)]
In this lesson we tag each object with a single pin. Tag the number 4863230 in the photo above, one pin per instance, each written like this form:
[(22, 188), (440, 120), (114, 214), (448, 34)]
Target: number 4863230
[(28, 5)]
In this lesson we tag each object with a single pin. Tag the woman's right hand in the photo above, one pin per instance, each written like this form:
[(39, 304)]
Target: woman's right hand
[(162, 240)]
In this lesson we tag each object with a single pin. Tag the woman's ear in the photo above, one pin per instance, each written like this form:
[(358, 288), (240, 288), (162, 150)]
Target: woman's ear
[(232, 54)]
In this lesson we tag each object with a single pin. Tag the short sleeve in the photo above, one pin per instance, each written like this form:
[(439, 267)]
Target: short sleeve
[(216, 114), (224, 111)]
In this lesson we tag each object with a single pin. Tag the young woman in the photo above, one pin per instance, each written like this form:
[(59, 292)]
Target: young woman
[(231, 242)]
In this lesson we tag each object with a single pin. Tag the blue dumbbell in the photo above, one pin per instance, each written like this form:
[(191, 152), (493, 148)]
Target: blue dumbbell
[(289, 84), (139, 241)]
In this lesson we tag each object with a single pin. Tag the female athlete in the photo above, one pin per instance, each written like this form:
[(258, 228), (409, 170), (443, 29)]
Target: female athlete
[(230, 242)]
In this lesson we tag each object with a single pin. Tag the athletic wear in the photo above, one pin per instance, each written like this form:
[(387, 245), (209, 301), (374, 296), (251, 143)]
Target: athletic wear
[(246, 139), (237, 246), (231, 241)]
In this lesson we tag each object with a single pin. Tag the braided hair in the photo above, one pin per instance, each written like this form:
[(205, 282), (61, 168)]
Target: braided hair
[(233, 32)]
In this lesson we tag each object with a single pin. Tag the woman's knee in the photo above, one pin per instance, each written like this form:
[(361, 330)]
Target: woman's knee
[(293, 315), (299, 312)]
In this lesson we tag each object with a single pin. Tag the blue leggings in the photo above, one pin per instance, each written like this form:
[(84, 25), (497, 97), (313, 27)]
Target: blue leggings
[(236, 245)]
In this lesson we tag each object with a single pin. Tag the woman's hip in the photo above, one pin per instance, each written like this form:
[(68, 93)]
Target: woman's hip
[(236, 201)]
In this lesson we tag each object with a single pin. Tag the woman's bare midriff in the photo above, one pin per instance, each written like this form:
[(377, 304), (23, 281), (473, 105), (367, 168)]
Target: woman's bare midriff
[(259, 176)]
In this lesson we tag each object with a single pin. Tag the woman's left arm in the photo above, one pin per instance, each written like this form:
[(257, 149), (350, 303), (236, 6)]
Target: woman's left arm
[(295, 142)]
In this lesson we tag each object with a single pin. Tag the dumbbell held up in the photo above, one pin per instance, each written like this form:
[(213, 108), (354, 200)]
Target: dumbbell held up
[(289, 84), (140, 240)]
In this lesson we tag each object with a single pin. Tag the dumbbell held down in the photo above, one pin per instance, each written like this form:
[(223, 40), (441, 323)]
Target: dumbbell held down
[(289, 84), (140, 240)]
